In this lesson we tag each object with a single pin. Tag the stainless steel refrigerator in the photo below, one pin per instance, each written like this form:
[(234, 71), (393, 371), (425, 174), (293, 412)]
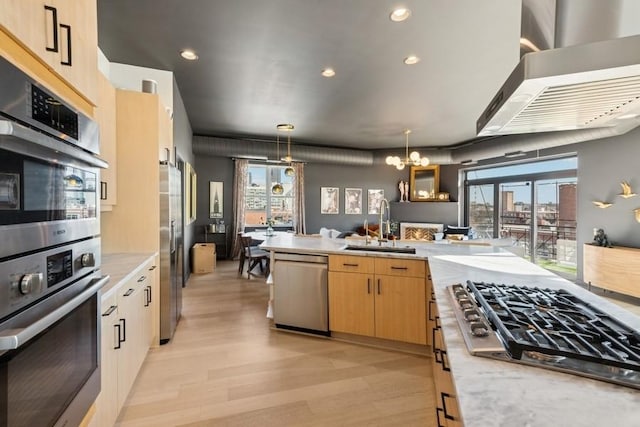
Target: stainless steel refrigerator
[(171, 241)]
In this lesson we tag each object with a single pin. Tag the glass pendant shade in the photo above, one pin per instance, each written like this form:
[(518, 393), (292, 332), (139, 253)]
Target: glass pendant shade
[(289, 171), (277, 188)]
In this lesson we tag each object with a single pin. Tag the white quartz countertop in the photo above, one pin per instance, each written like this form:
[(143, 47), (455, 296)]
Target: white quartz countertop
[(493, 392), (121, 267)]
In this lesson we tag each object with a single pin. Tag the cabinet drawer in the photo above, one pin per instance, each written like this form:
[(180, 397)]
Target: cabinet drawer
[(400, 267), (351, 263)]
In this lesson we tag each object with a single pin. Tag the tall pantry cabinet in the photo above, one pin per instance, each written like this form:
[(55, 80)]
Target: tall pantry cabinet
[(143, 130)]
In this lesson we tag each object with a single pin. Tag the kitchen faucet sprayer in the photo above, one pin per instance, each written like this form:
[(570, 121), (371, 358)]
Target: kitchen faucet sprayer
[(381, 234)]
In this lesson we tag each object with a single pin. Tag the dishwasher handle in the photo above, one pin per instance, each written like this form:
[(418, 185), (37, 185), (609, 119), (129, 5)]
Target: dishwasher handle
[(316, 259)]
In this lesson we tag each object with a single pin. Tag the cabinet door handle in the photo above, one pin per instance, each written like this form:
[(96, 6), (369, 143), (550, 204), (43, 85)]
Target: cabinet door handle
[(117, 336), (438, 412), (153, 267), (443, 397), (54, 26), (431, 310), (142, 279), (445, 361), (147, 296), (109, 311), (124, 330), (103, 190), (68, 30), (433, 341), (399, 268), (368, 285), (129, 292), (378, 286), (349, 265)]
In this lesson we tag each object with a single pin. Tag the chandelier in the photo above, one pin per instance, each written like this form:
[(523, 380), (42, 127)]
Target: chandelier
[(410, 159)]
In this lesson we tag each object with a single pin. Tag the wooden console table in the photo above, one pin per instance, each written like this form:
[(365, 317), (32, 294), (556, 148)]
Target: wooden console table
[(616, 269)]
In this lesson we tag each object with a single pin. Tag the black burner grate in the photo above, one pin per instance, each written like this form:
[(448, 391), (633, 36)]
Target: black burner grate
[(556, 323)]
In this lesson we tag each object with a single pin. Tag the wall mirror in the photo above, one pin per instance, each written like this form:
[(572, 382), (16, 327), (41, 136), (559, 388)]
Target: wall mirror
[(424, 183)]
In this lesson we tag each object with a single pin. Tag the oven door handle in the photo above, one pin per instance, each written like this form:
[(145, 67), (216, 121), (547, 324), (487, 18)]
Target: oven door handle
[(21, 336)]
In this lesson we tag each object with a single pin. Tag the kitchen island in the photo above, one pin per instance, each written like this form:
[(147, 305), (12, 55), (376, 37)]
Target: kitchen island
[(493, 392)]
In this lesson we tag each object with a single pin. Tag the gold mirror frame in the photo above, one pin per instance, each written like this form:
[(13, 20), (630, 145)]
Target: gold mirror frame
[(424, 183)]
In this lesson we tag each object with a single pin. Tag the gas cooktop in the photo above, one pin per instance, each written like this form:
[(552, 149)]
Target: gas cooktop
[(547, 328)]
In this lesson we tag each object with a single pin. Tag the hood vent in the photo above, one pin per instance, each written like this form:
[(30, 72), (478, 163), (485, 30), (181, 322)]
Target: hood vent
[(578, 87)]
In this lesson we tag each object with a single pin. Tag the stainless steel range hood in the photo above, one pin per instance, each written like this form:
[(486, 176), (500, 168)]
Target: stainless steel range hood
[(591, 85)]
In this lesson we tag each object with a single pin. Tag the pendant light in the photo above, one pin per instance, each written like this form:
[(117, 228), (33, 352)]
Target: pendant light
[(410, 159), (287, 127), (277, 188)]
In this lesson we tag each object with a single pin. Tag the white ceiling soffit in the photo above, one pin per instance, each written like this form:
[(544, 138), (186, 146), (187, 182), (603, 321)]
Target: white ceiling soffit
[(585, 86)]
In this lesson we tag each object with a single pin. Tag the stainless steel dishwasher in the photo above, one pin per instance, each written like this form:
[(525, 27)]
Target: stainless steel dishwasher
[(300, 293)]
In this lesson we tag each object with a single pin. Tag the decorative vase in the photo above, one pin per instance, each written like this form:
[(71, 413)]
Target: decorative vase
[(269, 231)]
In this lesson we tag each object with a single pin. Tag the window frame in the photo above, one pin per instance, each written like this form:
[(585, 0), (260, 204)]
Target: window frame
[(269, 195)]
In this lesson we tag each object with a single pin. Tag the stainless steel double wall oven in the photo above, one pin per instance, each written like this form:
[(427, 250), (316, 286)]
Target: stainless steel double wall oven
[(50, 276)]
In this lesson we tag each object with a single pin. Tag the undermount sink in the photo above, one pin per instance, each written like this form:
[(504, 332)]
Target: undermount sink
[(372, 248)]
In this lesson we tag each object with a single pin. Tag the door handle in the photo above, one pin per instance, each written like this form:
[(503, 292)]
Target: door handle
[(378, 286), (368, 285), (54, 26), (109, 311), (68, 31), (142, 279)]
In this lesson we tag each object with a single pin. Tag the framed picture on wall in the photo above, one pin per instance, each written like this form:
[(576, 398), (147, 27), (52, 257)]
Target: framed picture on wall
[(373, 201), (329, 203), (216, 199), (353, 201)]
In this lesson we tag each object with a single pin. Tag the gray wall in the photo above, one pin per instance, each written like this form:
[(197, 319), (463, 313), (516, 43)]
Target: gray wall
[(602, 165), (182, 141), (370, 177), (325, 175), (218, 169)]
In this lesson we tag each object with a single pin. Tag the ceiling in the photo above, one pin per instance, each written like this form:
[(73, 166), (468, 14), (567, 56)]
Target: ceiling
[(260, 62)]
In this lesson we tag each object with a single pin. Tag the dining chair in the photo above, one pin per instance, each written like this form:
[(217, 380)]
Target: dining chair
[(254, 257)]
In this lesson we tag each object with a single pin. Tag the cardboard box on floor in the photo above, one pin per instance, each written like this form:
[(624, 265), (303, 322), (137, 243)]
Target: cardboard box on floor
[(203, 258)]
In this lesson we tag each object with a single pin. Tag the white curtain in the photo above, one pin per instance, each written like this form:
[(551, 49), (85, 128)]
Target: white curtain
[(298, 199), (239, 188)]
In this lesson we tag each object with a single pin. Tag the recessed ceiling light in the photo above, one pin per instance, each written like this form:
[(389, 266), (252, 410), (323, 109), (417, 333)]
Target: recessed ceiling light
[(328, 72), (411, 60), (189, 54), (287, 127), (400, 14)]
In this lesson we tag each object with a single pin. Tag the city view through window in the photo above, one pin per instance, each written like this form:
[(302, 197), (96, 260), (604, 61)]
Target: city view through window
[(534, 204), (261, 205)]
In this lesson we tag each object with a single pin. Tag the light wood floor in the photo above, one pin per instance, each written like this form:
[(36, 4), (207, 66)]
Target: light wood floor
[(226, 367)]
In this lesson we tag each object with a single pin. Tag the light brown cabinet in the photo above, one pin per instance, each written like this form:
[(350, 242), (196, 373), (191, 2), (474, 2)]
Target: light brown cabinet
[(615, 269), (62, 34), (378, 297), (106, 118), (447, 411), (143, 127), (129, 317)]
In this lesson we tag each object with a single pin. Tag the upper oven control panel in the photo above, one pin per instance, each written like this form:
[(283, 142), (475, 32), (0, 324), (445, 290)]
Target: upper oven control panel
[(29, 278)]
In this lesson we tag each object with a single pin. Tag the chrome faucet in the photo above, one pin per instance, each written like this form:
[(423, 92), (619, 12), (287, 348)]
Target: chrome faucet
[(381, 233)]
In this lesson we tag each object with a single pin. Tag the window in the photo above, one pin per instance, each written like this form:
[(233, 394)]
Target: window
[(532, 203), (261, 204)]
